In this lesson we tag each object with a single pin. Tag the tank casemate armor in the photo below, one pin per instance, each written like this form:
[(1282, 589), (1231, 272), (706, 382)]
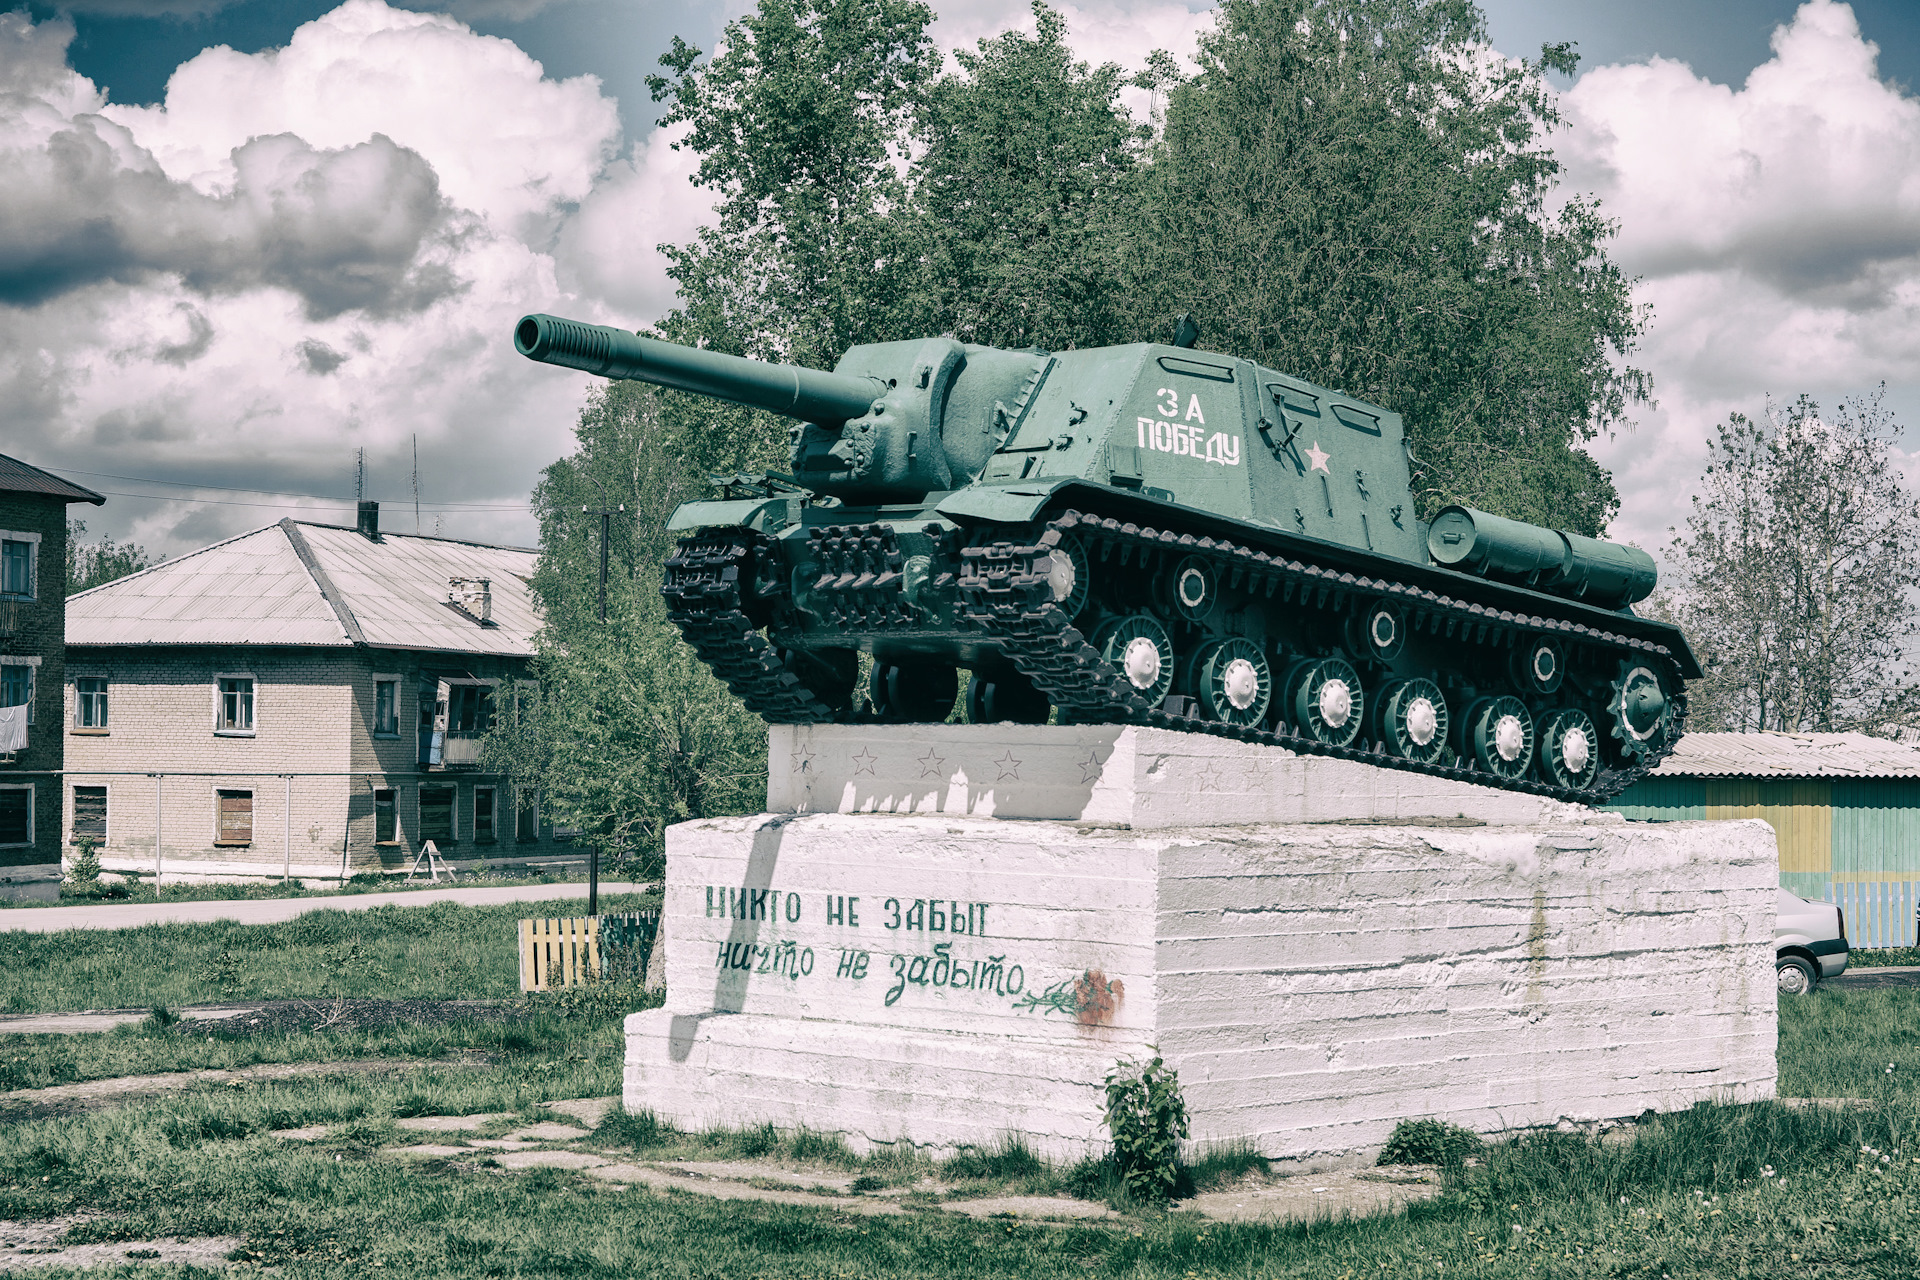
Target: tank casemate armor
[(1146, 534)]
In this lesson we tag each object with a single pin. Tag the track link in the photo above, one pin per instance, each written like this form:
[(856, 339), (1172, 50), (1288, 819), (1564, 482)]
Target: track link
[(702, 593), (1005, 590)]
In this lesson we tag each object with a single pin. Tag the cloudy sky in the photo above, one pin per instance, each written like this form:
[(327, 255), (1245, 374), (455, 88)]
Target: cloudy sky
[(239, 240)]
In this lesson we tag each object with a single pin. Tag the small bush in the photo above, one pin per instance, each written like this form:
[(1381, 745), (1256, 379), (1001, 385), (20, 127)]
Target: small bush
[(160, 1018), (85, 866), (1430, 1142), (1147, 1118)]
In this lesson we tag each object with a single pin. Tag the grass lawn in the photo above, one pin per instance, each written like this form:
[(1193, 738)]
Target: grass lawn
[(1720, 1192), (444, 951)]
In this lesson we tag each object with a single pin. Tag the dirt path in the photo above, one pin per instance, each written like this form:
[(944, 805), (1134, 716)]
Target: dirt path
[(1256, 1197), (89, 1095), (280, 910), (73, 1024), (26, 1246)]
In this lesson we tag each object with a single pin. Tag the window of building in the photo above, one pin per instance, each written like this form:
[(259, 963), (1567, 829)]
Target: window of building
[(233, 710), (386, 707), (16, 685), (89, 815), (526, 820), (90, 702), (470, 708), (483, 815), (386, 816), (16, 565), (235, 817), (16, 815), (436, 814)]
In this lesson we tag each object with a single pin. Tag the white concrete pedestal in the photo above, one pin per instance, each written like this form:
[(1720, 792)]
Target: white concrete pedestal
[(943, 979)]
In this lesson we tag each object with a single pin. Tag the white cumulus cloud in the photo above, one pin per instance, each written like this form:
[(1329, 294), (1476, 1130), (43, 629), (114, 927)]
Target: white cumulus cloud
[(1776, 226), (296, 253)]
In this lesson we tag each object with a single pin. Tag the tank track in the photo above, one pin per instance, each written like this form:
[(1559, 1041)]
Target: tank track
[(702, 593), (1005, 590)]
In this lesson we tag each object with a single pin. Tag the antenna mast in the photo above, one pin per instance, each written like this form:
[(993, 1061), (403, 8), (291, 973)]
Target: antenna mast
[(359, 474), (416, 484)]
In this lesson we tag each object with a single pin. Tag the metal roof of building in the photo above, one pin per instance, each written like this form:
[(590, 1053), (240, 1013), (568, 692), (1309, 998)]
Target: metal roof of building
[(1789, 755), (18, 477), (295, 583)]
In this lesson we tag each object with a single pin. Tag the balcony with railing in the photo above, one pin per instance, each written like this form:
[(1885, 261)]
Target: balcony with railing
[(461, 749)]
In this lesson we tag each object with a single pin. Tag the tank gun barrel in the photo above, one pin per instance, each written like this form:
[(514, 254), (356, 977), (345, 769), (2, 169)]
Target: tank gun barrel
[(809, 395)]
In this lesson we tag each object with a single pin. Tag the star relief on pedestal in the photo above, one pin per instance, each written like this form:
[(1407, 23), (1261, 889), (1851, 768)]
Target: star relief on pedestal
[(864, 761), (1008, 766), (1318, 458), (931, 764), (1091, 766), (802, 760)]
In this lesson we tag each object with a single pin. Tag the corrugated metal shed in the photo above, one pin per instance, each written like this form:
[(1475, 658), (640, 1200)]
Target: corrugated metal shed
[(272, 587), (1845, 806), (1789, 755), (18, 477)]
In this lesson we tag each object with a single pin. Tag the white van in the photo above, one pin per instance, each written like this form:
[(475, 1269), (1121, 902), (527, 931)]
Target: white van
[(1810, 943)]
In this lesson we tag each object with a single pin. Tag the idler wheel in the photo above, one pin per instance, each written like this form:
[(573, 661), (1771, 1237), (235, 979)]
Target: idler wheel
[(1139, 649), (1539, 664), (1069, 577), (1325, 698), (1640, 713), (1499, 735), (913, 692), (1001, 696), (1235, 681), (1570, 750), (1414, 720)]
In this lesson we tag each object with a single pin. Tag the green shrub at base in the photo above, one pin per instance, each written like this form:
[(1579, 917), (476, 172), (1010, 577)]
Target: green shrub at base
[(1147, 1118), (1430, 1142)]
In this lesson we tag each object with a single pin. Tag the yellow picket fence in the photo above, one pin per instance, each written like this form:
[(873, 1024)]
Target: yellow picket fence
[(559, 953)]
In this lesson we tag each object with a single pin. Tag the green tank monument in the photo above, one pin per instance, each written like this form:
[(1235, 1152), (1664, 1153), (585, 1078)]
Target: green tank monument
[(1257, 768)]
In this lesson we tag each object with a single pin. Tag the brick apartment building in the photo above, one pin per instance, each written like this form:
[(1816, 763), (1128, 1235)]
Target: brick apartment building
[(313, 697), (33, 594)]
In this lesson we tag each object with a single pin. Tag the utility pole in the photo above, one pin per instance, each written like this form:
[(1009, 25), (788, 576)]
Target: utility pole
[(606, 515)]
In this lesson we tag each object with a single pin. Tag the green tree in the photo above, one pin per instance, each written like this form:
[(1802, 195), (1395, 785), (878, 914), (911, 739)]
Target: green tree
[(92, 564), (801, 127), (620, 727), (1350, 191), (1797, 573), (1027, 160)]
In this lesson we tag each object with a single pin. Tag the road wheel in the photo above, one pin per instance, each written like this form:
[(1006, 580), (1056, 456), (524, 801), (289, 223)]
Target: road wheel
[(1797, 977), (913, 692), (1003, 696)]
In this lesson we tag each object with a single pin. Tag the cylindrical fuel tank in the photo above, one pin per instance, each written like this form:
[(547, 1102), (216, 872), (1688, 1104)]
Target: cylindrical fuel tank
[(1566, 564)]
